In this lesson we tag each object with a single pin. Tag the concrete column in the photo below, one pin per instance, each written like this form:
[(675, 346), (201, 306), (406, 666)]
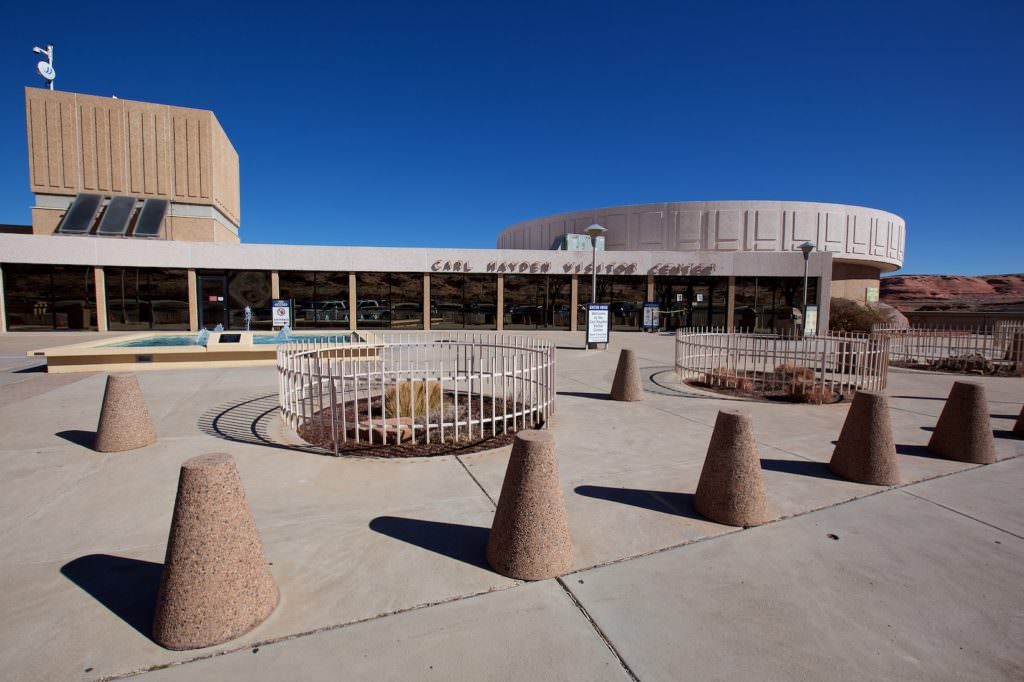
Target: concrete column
[(100, 282), (574, 295), (352, 300), (3, 305), (426, 301), (824, 291), (193, 301), (650, 287), (730, 310), (275, 284), (500, 318)]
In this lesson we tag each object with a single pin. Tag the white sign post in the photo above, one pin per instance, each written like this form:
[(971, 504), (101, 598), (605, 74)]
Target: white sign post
[(281, 312), (598, 326)]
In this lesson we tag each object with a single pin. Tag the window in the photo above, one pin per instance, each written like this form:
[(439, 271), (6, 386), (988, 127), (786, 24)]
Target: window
[(460, 301), (249, 288), (44, 297), (319, 299), (624, 294), (537, 301), (389, 300), (770, 303), (146, 298)]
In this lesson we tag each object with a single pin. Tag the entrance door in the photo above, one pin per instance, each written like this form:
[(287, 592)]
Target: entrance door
[(213, 301)]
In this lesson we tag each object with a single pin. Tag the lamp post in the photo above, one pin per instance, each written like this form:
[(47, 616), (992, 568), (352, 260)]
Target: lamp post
[(806, 247), (594, 231)]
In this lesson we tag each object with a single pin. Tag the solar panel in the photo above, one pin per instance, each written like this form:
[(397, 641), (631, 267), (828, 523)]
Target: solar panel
[(81, 214), (151, 217), (115, 219)]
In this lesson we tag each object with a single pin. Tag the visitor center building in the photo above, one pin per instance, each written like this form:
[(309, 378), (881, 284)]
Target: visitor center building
[(136, 225)]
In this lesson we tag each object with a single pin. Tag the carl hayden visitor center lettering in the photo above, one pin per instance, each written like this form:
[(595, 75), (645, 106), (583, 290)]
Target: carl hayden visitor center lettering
[(136, 225)]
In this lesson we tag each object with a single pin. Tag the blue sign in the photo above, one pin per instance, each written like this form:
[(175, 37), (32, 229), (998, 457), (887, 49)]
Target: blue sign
[(652, 317)]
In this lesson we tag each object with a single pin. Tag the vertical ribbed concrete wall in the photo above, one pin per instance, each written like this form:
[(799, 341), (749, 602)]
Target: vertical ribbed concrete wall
[(850, 233), (82, 143)]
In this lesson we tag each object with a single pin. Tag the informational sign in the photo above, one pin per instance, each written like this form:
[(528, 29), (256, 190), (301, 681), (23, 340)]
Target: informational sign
[(281, 312), (651, 316), (811, 321), (597, 323), (700, 298), (871, 295), (679, 298)]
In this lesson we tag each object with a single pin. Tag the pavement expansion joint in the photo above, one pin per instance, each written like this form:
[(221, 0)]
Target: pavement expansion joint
[(597, 629), (469, 473), (963, 514), (306, 633)]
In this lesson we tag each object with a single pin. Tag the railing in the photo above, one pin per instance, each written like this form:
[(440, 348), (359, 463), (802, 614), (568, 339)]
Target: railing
[(422, 389), (815, 369), (989, 349)]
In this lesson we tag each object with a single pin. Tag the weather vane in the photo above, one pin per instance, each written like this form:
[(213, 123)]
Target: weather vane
[(45, 69)]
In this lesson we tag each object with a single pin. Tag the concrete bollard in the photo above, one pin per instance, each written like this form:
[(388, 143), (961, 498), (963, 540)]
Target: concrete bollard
[(627, 385), (529, 538), (124, 419), (866, 451), (216, 582), (731, 490), (964, 432)]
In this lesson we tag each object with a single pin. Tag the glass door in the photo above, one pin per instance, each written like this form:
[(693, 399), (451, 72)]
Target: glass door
[(700, 304), (213, 301)]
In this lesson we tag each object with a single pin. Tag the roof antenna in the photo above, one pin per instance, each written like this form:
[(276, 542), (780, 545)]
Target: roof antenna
[(45, 69)]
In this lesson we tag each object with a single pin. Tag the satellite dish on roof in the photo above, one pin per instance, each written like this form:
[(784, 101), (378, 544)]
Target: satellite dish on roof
[(45, 70)]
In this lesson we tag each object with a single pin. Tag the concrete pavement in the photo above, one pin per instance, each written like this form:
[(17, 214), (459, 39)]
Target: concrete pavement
[(380, 563)]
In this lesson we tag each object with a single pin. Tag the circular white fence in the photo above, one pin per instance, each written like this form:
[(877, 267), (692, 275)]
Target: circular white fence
[(813, 369), (432, 390)]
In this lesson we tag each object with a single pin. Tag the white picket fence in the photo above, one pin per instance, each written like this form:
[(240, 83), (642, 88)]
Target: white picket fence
[(813, 368), (481, 385), (989, 349)]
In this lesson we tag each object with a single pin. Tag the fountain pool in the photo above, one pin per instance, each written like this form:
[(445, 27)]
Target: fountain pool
[(145, 351)]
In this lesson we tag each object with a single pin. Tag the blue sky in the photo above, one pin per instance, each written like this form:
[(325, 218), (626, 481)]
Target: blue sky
[(437, 124)]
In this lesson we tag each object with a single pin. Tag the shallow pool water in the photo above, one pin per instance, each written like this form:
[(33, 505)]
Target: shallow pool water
[(257, 340)]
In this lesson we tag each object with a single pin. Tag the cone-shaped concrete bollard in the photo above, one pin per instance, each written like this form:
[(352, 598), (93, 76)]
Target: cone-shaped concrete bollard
[(964, 432), (529, 538), (216, 583), (1018, 428), (124, 419), (627, 385), (730, 490), (866, 452)]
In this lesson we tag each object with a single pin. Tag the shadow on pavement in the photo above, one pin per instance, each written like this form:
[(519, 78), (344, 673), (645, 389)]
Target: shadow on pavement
[(916, 451), (127, 587), (248, 421), (79, 437), (454, 540), (584, 394), (801, 467), (1006, 433), (680, 504), (32, 369)]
